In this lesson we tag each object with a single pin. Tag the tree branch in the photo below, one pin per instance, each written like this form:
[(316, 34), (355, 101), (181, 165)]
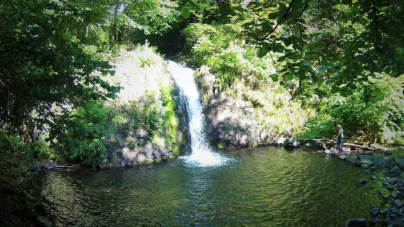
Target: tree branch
[(283, 17)]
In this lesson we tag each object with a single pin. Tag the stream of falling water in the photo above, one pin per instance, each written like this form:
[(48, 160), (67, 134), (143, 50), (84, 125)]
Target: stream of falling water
[(202, 154)]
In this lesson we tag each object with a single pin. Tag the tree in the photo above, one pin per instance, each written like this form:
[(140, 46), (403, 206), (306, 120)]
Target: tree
[(43, 64), (368, 35)]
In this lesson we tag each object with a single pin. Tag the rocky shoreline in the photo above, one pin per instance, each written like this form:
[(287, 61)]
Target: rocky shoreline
[(384, 167)]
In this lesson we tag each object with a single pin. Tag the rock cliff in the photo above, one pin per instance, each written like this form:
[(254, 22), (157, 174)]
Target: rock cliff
[(232, 121), (150, 125)]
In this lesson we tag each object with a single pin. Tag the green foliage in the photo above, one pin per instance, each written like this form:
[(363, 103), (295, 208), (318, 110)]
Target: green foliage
[(371, 111), (346, 39), (205, 11), (170, 117), (228, 56), (148, 56), (85, 133), (44, 65), (12, 143)]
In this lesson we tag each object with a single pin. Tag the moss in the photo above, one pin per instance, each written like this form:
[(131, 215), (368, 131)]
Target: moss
[(176, 150), (205, 99), (221, 144), (29, 196), (147, 162)]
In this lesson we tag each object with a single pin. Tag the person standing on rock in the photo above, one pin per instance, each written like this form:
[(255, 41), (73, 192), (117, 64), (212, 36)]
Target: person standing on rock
[(339, 137)]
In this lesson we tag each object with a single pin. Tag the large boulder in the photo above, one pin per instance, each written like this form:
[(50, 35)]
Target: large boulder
[(379, 161), (366, 160), (292, 143), (390, 161), (399, 203), (231, 122), (353, 159), (399, 163), (395, 171), (356, 222)]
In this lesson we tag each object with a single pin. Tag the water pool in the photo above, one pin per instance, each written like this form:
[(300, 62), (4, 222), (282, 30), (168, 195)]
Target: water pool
[(265, 186)]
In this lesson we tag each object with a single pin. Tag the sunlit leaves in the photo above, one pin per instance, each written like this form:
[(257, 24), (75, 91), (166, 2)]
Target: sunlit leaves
[(185, 13), (45, 64)]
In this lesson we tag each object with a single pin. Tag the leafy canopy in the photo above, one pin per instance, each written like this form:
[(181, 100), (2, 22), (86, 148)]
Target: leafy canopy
[(43, 64)]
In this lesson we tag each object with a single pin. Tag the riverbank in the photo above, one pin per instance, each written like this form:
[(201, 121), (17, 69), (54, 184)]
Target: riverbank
[(20, 192), (384, 167), (383, 178)]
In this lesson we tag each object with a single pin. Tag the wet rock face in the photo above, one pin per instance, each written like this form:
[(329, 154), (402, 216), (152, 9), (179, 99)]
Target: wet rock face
[(230, 121), (133, 140)]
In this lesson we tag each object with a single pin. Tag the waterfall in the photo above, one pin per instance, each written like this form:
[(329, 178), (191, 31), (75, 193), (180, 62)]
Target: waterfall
[(202, 154)]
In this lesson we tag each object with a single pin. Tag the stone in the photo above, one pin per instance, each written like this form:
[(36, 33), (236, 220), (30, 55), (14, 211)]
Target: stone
[(374, 177), (385, 211), (366, 159), (395, 195), (356, 222), (391, 187), (399, 203), (397, 222), (368, 152), (42, 221), (379, 161), (346, 150), (395, 171), (343, 157), (320, 144), (387, 221), (292, 143), (141, 133), (395, 210), (399, 163), (374, 221), (333, 150), (363, 181), (393, 180), (390, 161), (353, 158), (374, 212)]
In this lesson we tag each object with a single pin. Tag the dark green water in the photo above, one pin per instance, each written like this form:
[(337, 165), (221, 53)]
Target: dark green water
[(260, 187)]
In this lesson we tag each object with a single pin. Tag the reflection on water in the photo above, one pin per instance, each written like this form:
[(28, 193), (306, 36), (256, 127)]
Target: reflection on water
[(262, 187)]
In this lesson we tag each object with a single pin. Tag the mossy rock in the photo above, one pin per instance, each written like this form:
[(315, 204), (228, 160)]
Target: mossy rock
[(42, 221)]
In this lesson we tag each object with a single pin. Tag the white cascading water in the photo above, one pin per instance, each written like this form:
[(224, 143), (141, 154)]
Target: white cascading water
[(202, 154)]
